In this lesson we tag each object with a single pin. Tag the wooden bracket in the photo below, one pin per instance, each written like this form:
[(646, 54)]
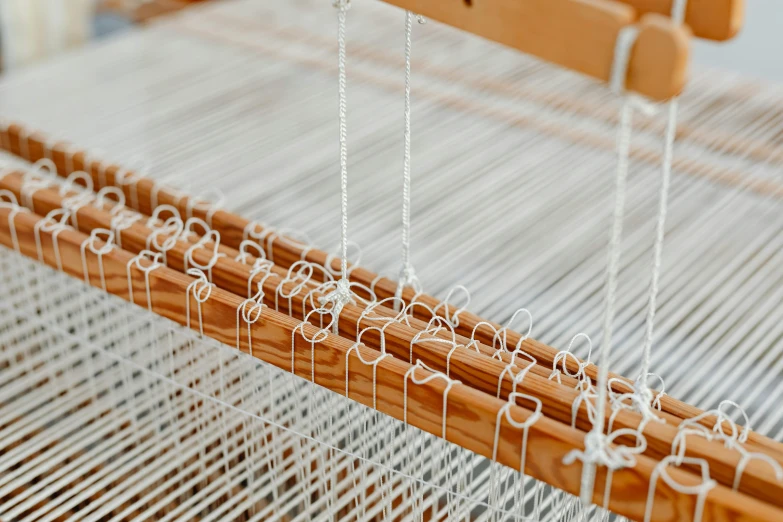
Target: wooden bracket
[(577, 34)]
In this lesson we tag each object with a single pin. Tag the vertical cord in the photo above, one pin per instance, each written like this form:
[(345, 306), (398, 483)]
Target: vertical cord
[(666, 173), (678, 16), (595, 441), (406, 165), (612, 269), (613, 262), (342, 6)]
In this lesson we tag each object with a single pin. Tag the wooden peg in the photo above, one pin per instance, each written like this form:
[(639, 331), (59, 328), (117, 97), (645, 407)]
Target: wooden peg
[(710, 19), (577, 34)]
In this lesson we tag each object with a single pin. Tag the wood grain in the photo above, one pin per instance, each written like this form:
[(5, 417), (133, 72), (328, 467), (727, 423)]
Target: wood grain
[(471, 414), (577, 34), (478, 371), (32, 146)]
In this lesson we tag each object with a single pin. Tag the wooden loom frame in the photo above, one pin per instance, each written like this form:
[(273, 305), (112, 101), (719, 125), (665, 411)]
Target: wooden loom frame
[(639, 86), (479, 371), (144, 194), (471, 414)]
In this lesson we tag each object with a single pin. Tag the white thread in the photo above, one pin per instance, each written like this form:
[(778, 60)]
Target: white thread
[(411, 373), (157, 212), (172, 230), (342, 6), (502, 334), (123, 220), (453, 318), (99, 252), (678, 11), (319, 336), (201, 288), (71, 183), (407, 273), (666, 171), (562, 356), (338, 298), (678, 16), (250, 310), (101, 199), (212, 236), (154, 260), (520, 375), (525, 425), (602, 450), (33, 181), (125, 178), (595, 440), (373, 363), (54, 223), (14, 207), (700, 491), (258, 267)]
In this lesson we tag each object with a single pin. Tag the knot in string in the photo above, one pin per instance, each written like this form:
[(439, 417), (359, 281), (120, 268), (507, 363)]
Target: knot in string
[(407, 278), (601, 450), (562, 356), (339, 297), (106, 237), (201, 287), (645, 393), (342, 4)]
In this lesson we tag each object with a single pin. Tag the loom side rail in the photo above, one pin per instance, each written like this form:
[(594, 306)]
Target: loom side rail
[(472, 415), (580, 35)]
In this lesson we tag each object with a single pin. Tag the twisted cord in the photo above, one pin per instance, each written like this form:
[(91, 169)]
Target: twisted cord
[(678, 16), (342, 8), (406, 166), (663, 203)]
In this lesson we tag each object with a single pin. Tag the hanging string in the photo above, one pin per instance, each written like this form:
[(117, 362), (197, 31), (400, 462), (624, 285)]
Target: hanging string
[(342, 7), (598, 450), (341, 294), (407, 273), (660, 231), (678, 16)]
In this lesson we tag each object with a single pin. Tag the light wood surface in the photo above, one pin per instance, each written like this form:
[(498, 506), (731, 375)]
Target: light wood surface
[(477, 370), (710, 19), (577, 34), (231, 226), (471, 414)]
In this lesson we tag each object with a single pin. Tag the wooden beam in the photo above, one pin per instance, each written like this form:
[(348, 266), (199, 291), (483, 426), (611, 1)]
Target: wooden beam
[(477, 370), (576, 34), (471, 415), (710, 19), (33, 146)]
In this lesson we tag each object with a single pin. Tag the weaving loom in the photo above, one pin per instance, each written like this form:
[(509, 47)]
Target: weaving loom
[(191, 167)]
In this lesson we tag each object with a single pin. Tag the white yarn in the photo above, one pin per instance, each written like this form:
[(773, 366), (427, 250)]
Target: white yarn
[(700, 490), (201, 288), (407, 275), (678, 16), (660, 231), (99, 251), (596, 443), (342, 7), (154, 263), (11, 203)]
